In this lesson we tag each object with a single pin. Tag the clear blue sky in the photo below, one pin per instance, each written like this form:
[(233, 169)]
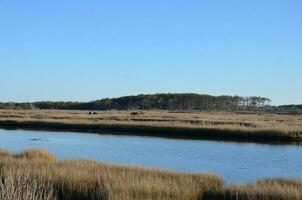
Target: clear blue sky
[(85, 50)]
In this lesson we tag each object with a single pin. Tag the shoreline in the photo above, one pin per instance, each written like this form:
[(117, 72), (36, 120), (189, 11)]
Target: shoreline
[(193, 133), (88, 179)]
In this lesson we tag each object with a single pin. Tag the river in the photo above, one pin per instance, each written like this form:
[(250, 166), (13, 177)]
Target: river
[(235, 162)]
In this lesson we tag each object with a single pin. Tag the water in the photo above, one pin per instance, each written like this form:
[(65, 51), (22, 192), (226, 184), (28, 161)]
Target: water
[(235, 162)]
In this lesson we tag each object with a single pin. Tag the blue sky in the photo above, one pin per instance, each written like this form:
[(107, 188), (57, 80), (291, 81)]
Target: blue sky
[(85, 50)]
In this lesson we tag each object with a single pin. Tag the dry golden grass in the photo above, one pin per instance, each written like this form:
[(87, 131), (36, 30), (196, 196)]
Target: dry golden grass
[(19, 185), (36, 154), (89, 180), (166, 118), (198, 125), (33, 178), (278, 189)]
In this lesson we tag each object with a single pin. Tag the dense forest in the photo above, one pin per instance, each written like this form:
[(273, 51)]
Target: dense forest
[(185, 101)]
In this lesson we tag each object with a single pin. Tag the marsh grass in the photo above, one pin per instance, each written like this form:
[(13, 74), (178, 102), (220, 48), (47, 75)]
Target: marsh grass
[(36, 154), (38, 177), (90, 180), (268, 189), (261, 128), (20, 185)]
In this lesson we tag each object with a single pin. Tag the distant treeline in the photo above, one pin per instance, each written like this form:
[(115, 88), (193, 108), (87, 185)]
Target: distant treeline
[(185, 101), (292, 107)]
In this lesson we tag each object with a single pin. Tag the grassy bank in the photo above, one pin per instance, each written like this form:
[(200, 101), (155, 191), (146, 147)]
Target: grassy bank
[(36, 174), (261, 128)]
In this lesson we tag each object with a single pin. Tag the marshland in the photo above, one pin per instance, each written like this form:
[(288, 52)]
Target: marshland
[(149, 167), (150, 100), (259, 127), (37, 174)]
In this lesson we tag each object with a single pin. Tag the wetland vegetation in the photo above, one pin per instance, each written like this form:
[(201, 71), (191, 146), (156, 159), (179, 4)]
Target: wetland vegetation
[(225, 126), (37, 174)]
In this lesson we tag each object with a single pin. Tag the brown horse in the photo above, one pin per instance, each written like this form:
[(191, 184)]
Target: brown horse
[(134, 114)]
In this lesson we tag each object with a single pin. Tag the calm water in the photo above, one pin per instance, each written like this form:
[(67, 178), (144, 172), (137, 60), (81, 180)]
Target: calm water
[(234, 161)]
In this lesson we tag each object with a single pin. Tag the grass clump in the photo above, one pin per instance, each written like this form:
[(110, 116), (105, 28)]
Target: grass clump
[(5, 154), (36, 154), (267, 189)]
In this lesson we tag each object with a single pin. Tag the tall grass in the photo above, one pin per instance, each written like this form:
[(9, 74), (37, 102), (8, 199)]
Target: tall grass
[(21, 185), (89, 180), (30, 176), (268, 189)]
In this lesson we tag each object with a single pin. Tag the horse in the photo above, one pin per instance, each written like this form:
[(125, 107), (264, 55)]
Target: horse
[(134, 114), (92, 113)]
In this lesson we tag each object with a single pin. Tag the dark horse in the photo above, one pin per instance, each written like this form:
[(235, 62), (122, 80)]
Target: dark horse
[(134, 114), (92, 113)]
